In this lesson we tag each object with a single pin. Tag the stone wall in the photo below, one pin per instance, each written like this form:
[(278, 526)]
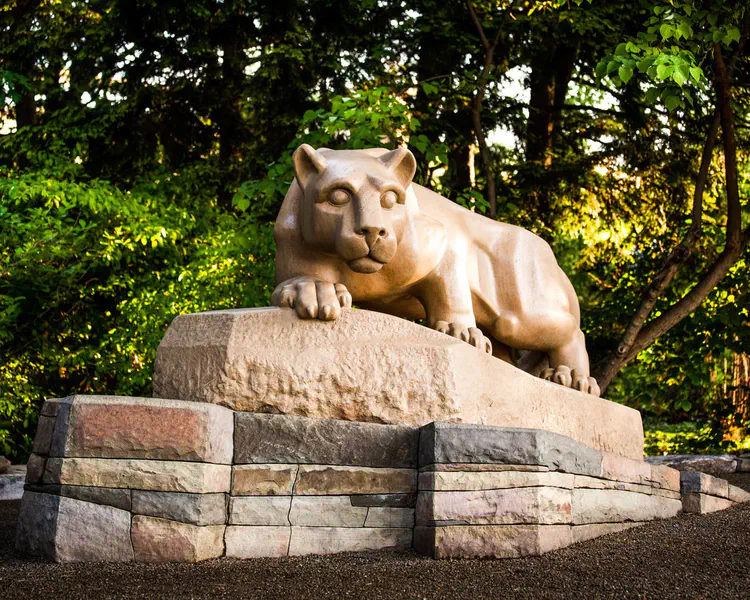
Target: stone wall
[(152, 480)]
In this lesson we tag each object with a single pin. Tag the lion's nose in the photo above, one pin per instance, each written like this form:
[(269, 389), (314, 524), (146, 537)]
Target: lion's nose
[(372, 234)]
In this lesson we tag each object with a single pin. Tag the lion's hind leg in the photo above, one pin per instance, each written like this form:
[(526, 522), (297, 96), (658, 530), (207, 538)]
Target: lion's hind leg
[(569, 366)]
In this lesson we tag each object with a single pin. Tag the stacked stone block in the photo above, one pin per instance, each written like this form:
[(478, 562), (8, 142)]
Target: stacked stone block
[(502, 492), (311, 486), (121, 479), (703, 493), (152, 480)]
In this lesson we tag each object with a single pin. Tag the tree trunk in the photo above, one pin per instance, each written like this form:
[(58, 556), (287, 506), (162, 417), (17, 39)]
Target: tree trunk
[(476, 106), (638, 336)]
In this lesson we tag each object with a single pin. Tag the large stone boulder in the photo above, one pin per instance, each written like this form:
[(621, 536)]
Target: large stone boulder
[(368, 366)]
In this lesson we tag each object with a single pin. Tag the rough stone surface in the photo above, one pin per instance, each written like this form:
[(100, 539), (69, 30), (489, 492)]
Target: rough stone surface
[(334, 480), (257, 542), (35, 468), (156, 475), (328, 511), (581, 481), (11, 485), (197, 509), (259, 510), (701, 483), (263, 480), (263, 438), (368, 366), (583, 533), (537, 505), (69, 530), (50, 406), (691, 462), (331, 540), (743, 465), (615, 506), (703, 503), (390, 517), (665, 477), (491, 480), (462, 443), (43, 438), (384, 500), (667, 494), (159, 540), (484, 541), (122, 427), (118, 498), (479, 467), (737, 494), (620, 468)]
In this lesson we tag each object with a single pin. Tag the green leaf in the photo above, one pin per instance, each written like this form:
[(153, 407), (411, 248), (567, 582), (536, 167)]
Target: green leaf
[(666, 31), (643, 65), (612, 66), (718, 35), (680, 75), (659, 10), (671, 102), (713, 18), (621, 49), (685, 30), (733, 34), (601, 68), (625, 73), (664, 71), (696, 73)]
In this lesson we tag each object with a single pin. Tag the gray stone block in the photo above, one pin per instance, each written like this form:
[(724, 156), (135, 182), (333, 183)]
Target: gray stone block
[(462, 443), (196, 509), (118, 498), (260, 510), (701, 483), (331, 540), (11, 486), (385, 500), (328, 511), (706, 463), (43, 438), (263, 438), (69, 530)]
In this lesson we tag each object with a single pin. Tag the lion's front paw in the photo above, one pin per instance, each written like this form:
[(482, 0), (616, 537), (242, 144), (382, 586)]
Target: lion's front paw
[(312, 299), (572, 379), (471, 335)]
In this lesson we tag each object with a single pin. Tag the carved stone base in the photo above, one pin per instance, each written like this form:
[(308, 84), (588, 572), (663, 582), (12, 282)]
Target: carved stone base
[(181, 481), (367, 366)]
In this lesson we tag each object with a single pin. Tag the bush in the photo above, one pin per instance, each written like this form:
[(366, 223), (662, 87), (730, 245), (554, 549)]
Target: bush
[(92, 275)]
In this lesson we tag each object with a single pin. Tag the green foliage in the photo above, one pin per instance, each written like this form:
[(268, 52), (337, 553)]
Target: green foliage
[(676, 40), (147, 148), (91, 276), (367, 118), (688, 437)]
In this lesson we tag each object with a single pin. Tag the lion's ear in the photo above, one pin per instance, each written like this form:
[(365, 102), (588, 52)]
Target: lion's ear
[(402, 163), (307, 162)]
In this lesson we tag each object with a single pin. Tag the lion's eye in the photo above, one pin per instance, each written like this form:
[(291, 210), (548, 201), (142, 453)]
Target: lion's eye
[(388, 199), (339, 197)]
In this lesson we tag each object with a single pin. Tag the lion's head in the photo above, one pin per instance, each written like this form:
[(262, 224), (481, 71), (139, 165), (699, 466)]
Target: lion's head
[(355, 202)]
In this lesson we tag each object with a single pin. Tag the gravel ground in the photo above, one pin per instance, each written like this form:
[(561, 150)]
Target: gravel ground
[(690, 556)]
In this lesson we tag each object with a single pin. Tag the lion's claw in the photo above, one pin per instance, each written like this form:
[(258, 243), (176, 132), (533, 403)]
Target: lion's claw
[(470, 335), (562, 375), (312, 299)]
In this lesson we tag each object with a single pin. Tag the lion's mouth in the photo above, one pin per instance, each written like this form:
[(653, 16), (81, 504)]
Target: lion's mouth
[(365, 264)]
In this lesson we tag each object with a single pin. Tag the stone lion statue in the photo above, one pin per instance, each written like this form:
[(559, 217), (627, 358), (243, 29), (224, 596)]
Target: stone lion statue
[(353, 227)]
